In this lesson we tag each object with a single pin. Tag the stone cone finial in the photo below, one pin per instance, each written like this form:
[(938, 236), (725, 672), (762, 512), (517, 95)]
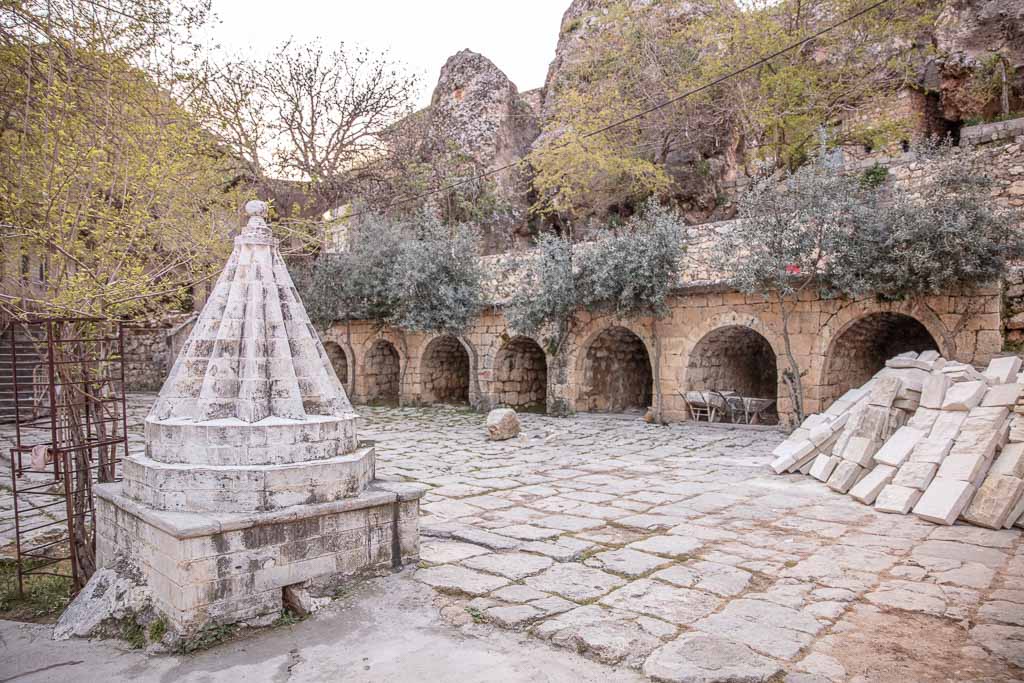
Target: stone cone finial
[(253, 352), (256, 219)]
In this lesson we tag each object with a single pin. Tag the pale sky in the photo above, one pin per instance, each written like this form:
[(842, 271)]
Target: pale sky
[(519, 37)]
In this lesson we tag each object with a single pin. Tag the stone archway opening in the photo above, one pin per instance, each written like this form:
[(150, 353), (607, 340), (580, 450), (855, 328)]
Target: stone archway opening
[(339, 361), (616, 373), (863, 347), (444, 371), (383, 373), (735, 358), (521, 375)]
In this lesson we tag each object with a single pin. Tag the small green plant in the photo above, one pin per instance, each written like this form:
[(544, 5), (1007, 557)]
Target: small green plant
[(208, 637), (288, 618), (157, 630), (476, 615), (133, 634), (874, 176), (44, 598)]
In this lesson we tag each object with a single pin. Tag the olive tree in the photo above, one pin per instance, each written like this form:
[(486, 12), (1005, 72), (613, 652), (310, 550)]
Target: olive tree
[(627, 272), (820, 230), (415, 273)]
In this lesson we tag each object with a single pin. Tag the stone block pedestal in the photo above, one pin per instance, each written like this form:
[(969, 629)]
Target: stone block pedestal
[(220, 568)]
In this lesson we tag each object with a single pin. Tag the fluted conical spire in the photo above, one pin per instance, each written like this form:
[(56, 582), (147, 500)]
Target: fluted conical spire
[(253, 352)]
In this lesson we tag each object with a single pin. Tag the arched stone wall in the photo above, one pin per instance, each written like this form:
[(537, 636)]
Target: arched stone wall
[(861, 348), (733, 358), (520, 375), (616, 373), (339, 357), (382, 373), (445, 371)]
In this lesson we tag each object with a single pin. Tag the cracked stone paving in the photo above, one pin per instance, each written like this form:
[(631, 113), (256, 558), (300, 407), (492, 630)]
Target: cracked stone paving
[(676, 552)]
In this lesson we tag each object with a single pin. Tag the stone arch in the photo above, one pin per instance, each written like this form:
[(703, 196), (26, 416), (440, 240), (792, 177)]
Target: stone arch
[(861, 347), (616, 372), (340, 360), (733, 358), (445, 371), (520, 374), (382, 373)]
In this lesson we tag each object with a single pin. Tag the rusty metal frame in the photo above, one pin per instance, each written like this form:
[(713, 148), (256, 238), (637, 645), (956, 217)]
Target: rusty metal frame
[(103, 421)]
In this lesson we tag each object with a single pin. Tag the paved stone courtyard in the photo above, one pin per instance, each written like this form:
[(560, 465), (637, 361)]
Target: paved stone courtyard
[(674, 550)]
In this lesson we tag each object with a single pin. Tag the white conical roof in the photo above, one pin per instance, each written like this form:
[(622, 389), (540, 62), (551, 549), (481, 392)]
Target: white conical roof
[(253, 352)]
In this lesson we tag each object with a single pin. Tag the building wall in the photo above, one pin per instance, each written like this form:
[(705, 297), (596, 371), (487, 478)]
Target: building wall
[(828, 341)]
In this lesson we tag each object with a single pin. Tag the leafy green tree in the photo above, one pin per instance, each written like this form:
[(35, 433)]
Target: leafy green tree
[(438, 278), (941, 235), (115, 198), (630, 57), (357, 283), (545, 301), (626, 273)]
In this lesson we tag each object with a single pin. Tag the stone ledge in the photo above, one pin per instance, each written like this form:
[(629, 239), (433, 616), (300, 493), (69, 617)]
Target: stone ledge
[(239, 488), (231, 441), (182, 525)]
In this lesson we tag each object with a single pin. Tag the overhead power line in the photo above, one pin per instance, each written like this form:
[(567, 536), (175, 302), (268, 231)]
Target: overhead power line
[(639, 114)]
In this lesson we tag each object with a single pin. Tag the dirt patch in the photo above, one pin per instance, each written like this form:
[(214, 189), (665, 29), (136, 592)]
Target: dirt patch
[(880, 645)]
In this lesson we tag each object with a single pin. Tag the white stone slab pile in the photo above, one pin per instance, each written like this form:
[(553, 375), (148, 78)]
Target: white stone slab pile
[(815, 436), (962, 472), (931, 440), (881, 440), (999, 501), (867, 430), (924, 434)]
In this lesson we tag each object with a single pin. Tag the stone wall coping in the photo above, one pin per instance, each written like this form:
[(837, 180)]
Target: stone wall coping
[(271, 421), (355, 456), (183, 525)]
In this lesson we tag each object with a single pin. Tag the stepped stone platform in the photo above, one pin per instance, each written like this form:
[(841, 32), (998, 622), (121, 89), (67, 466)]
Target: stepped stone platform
[(253, 480)]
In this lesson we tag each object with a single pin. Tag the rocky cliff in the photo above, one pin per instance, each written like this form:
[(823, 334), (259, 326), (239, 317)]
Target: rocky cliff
[(478, 120)]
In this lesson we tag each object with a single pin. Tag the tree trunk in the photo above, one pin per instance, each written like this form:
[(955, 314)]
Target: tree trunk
[(792, 375), (658, 398)]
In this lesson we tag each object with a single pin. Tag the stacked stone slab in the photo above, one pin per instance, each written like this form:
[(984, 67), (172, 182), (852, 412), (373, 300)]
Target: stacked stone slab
[(999, 500), (985, 398), (253, 479), (927, 435), (815, 437), (922, 451)]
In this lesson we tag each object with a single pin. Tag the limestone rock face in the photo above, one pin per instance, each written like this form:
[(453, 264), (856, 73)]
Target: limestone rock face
[(482, 109), (477, 113), (967, 32), (502, 423), (697, 164)]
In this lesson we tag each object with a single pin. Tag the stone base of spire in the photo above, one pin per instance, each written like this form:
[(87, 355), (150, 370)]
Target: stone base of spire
[(241, 488), (223, 568)]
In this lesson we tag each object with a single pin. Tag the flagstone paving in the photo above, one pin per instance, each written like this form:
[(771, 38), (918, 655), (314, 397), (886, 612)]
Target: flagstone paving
[(674, 551)]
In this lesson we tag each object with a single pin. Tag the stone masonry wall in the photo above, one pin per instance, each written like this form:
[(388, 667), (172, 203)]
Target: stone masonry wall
[(965, 326), (616, 373), (446, 372), (382, 373), (521, 374), (147, 358)]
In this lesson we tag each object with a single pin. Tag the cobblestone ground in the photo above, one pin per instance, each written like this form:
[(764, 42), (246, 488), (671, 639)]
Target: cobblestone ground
[(675, 551)]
